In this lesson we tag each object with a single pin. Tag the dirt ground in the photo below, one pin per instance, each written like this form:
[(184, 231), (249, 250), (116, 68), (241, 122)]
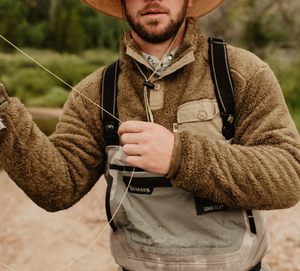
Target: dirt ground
[(33, 240)]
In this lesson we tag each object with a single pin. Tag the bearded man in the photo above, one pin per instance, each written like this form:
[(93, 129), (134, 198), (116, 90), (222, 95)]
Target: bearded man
[(195, 200)]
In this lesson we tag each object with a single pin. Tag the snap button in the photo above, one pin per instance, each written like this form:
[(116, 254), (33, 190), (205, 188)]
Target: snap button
[(202, 115), (109, 127), (157, 87)]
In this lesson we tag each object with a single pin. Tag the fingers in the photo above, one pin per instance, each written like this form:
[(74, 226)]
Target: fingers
[(130, 138), (134, 132), (132, 150), (133, 127), (148, 145), (135, 161)]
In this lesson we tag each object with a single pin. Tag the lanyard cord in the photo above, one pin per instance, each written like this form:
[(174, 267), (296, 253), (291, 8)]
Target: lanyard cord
[(146, 100), (39, 64)]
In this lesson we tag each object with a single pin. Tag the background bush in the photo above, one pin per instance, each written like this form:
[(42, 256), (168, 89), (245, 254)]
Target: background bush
[(55, 97), (63, 25), (73, 40), (36, 87)]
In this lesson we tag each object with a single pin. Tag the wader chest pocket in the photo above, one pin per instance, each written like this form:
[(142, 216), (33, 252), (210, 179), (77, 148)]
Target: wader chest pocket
[(201, 117)]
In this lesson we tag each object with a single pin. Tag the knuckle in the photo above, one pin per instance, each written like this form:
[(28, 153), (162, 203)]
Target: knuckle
[(125, 149), (147, 138), (123, 138), (129, 160)]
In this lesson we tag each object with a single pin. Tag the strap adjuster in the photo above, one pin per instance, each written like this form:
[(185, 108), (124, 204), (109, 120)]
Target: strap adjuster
[(217, 41)]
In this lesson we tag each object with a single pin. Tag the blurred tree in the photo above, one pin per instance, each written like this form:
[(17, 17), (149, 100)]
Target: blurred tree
[(255, 24), (75, 36), (10, 29)]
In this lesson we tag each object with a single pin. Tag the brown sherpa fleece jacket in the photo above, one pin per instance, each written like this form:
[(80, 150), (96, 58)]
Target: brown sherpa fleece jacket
[(260, 171)]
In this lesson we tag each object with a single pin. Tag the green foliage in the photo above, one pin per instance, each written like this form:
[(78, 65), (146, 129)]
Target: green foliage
[(60, 26), (296, 118), (36, 34), (290, 84), (29, 82), (75, 36), (35, 87), (55, 97), (10, 28), (286, 65), (254, 34), (270, 29), (47, 126), (256, 25), (63, 25)]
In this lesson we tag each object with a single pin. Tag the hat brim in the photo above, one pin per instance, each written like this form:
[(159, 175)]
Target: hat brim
[(113, 8)]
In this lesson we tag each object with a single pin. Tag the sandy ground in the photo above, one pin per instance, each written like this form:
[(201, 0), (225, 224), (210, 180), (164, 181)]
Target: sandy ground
[(33, 240)]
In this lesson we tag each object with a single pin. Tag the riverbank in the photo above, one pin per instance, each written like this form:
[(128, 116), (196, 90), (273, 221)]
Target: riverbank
[(45, 112)]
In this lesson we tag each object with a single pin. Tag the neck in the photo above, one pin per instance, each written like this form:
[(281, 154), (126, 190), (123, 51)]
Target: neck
[(158, 49)]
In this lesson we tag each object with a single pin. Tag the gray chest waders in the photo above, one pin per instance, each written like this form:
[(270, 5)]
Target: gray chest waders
[(159, 227)]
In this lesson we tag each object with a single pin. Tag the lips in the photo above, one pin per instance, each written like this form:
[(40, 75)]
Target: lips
[(153, 12)]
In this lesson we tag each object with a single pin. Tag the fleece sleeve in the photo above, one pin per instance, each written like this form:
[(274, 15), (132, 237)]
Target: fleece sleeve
[(261, 169), (58, 171)]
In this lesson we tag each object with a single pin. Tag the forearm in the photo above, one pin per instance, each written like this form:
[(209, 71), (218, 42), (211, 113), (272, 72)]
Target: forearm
[(261, 169), (54, 172), (261, 177)]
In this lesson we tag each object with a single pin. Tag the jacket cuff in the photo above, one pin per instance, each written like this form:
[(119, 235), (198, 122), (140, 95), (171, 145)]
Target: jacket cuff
[(176, 158)]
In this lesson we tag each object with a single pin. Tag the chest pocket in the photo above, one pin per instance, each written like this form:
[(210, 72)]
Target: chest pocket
[(201, 117)]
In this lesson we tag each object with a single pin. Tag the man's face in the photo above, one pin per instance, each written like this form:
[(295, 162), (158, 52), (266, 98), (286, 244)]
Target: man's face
[(155, 21)]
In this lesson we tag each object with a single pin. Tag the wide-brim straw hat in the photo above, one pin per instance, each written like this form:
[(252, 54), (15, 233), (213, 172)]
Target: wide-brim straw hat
[(113, 7)]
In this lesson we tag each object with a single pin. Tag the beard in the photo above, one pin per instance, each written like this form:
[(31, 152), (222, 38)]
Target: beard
[(150, 31)]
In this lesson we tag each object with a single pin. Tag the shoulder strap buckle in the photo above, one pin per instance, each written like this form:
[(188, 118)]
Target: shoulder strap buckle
[(217, 41)]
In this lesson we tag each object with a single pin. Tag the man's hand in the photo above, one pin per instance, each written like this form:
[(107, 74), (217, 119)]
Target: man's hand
[(148, 145)]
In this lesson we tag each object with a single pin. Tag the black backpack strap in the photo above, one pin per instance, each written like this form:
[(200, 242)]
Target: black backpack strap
[(224, 89), (109, 103)]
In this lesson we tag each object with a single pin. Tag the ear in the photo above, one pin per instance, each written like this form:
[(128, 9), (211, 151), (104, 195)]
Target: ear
[(190, 3)]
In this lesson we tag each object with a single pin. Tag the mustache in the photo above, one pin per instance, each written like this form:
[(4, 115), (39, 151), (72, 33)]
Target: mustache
[(153, 5)]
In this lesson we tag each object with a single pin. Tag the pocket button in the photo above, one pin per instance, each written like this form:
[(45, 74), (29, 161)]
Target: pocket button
[(157, 87), (202, 115)]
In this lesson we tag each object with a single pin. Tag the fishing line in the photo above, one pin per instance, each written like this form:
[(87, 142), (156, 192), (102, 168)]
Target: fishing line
[(93, 243), (126, 192), (58, 77), (104, 227)]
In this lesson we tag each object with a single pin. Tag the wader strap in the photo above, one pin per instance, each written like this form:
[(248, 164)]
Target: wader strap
[(109, 103), (251, 221), (224, 89), (107, 204)]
